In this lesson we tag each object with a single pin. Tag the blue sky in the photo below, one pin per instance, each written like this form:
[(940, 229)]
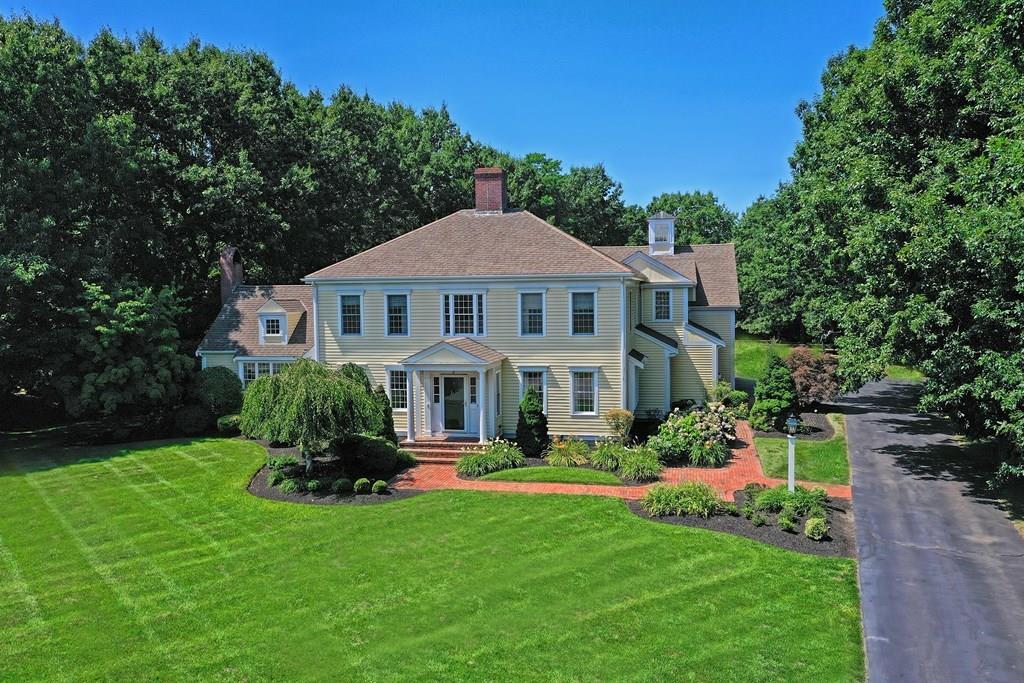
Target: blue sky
[(669, 96)]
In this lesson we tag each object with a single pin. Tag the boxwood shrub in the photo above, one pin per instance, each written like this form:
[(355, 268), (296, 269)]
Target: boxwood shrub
[(341, 486), (379, 487), (362, 486), (816, 528)]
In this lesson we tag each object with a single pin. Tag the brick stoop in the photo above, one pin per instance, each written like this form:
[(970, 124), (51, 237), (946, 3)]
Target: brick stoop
[(438, 450)]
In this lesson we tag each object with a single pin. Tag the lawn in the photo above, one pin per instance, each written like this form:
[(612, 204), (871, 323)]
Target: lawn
[(752, 354), (823, 461), (153, 562), (560, 475)]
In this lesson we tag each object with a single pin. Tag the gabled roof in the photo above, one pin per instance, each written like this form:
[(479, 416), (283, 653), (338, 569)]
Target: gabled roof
[(471, 350), (654, 335), (471, 243), (237, 329), (711, 266)]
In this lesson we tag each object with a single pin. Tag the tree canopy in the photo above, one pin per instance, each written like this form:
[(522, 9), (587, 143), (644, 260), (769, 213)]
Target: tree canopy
[(900, 233)]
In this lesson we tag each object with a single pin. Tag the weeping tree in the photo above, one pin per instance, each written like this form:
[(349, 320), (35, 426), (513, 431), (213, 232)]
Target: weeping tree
[(309, 405)]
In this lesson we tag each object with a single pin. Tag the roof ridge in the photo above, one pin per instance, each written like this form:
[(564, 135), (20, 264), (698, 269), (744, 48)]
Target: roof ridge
[(591, 247), (384, 244)]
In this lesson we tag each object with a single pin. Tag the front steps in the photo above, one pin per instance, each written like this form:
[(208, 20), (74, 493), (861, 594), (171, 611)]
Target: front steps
[(442, 450)]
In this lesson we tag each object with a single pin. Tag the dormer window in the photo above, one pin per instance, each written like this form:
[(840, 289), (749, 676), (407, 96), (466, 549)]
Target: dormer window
[(272, 329)]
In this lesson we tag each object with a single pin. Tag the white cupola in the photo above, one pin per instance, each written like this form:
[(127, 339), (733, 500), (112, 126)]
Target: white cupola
[(661, 234)]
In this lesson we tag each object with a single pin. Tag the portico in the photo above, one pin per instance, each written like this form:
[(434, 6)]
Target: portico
[(452, 390)]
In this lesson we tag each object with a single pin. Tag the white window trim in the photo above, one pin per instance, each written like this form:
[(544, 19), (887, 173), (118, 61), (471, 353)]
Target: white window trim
[(282, 320), (451, 313), (573, 371), (362, 312), (543, 309), (654, 306), (241, 361), (388, 369), (544, 382), (387, 315), (572, 293)]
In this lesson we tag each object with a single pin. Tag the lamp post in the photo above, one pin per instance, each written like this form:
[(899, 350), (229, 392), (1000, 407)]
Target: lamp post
[(791, 424)]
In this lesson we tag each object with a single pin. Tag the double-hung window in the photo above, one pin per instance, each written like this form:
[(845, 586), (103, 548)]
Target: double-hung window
[(351, 313), (253, 369), (584, 312), (398, 315), (584, 391), (531, 314), (462, 314), (662, 304), (536, 378), (398, 389)]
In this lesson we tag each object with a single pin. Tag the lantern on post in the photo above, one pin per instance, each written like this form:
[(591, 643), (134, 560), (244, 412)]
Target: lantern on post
[(791, 425)]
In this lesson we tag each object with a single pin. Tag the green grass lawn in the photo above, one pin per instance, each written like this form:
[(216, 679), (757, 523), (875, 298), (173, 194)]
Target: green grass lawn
[(752, 354), (560, 475), (824, 461), (153, 562)]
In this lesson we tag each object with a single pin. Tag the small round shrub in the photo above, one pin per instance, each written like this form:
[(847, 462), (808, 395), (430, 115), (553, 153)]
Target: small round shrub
[(274, 477), (290, 486), (228, 425), (759, 519), (218, 390), (192, 420), (816, 528), (380, 487), (368, 454), (606, 455), (313, 485), (639, 464), (620, 421), (567, 453), (362, 486), (341, 486)]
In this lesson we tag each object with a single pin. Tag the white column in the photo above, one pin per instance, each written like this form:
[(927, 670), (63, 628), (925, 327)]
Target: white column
[(480, 393), (410, 413)]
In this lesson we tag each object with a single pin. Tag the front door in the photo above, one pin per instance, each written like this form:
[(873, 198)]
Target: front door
[(454, 404)]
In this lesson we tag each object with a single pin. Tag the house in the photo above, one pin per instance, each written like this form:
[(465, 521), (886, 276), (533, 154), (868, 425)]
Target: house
[(458, 317)]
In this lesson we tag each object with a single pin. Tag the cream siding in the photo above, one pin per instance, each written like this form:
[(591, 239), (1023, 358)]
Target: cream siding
[(693, 373), (556, 350), (220, 360), (722, 323), (651, 394)]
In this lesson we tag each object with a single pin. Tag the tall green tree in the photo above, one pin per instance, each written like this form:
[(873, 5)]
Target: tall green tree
[(700, 218)]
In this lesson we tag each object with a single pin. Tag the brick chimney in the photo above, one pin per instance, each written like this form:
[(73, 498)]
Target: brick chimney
[(230, 272), (491, 196)]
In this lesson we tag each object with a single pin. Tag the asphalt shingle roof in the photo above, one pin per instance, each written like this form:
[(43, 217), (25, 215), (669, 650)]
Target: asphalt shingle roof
[(236, 327), (711, 266)]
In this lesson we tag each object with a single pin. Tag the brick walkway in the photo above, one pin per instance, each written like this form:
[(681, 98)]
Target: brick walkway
[(743, 468)]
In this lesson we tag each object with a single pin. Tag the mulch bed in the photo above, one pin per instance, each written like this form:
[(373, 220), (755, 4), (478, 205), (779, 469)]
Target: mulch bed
[(840, 543), (258, 487), (814, 427)]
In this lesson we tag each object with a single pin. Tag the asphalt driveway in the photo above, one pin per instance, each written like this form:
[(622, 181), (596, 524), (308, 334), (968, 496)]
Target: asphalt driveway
[(941, 566)]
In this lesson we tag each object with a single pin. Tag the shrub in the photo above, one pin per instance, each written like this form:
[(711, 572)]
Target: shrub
[(606, 455), (497, 455), (810, 503), (708, 454), (682, 405), (802, 502), (787, 523), (639, 464), (816, 528), (620, 421), (191, 420), (362, 486), (289, 486), (228, 424), (368, 454), (274, 477), (405, 459), (218, 390), (282, 462), (380, 487), (736, 400), (675, 437), (532, 425), (341, 486), (814, 376), (567, 453), (774, 396), (772, 500), (313, 485), (759, 519), (717, 423), (356, 373), (387, 425), (690, 498), (730, 509)]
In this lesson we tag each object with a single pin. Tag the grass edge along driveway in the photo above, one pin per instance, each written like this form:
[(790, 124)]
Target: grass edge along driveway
[(153, 561)]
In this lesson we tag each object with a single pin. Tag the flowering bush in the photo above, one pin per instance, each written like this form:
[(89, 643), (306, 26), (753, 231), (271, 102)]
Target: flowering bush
[(567, 453), (498, 454), (699, 437)]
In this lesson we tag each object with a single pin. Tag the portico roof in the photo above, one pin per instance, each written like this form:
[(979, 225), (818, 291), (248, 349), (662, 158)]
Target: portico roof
[(455, 350)]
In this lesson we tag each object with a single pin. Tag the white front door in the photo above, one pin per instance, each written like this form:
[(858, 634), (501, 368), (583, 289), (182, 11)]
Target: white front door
[(454, 406)]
